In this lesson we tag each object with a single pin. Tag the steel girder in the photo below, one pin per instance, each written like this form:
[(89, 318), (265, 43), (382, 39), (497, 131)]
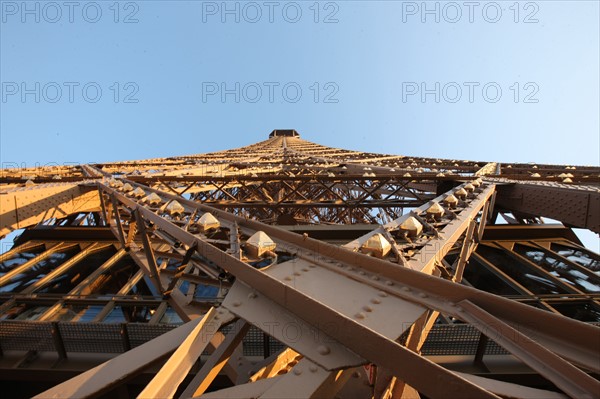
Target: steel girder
[(335, 308), (26, 206), (288, 292), (577, 206)]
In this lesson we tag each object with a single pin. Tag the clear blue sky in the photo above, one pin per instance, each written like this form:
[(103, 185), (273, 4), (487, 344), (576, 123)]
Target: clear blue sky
[(366, 58)]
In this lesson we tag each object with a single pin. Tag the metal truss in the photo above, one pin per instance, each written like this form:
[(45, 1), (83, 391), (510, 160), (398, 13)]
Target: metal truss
[(352, 317), (32, 204)]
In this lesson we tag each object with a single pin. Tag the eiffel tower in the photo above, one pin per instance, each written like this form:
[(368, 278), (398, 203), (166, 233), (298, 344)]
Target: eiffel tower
[(289, 269)]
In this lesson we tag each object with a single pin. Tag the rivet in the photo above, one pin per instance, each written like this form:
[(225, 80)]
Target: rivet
[(356, 374), (362, 273), (367, 308), (297, 371), (313, 368), (304, 269), (423, 295), (252, 295), (388, 282), (376, 301), (323, 350), (288, 278), (406, 289), (375, 277), (312, 266), (360, 315), (382, 294), (460, 309), (297, 273), (236, 303), (452, 305)]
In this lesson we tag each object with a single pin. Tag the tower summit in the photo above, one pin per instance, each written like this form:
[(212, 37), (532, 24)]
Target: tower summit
[(284, 133)]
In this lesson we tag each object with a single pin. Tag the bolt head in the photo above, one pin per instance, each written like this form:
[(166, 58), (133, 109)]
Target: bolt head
[(323, 350)]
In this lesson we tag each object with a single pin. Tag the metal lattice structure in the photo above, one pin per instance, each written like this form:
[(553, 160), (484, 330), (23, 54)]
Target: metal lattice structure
[(290, 269)]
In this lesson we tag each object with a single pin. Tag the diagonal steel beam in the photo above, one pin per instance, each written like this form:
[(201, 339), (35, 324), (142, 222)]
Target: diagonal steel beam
[(217, 360), (6, 277), (172, 373), (567, 377), (103, 378), (432, 292), (388, 353)]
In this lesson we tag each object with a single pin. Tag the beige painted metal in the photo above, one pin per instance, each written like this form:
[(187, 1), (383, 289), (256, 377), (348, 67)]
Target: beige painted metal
[(86, 250), (567, 377), (277, 364), (509, 390), (389, 315), (125, 289), (167, 380), (274, 234), (178, 301), (308, 380), (84, 284), (358, 304), (109, 374), (217, 360), (320, 285), (388, 385), (176, 298), (435, 249), (433, 253), (96, 273), (19, 248), (491, 168), (465, 252), (4, 279), (232, 261), (287, 328), (243, 391), (24, 207)]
